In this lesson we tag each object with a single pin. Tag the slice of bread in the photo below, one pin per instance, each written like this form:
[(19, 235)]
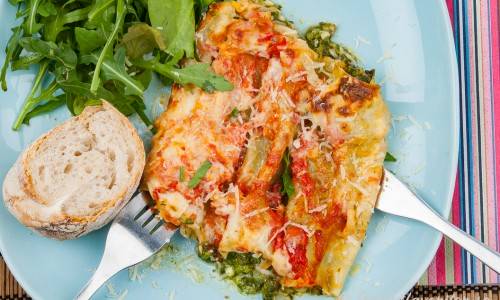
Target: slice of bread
[(75, 178)]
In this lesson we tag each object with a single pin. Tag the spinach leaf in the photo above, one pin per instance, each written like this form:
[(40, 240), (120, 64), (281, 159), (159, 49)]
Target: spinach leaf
[(319, 38), (120, 17), (88, 39), (175, 20), (114, 69), (199, 174), (142, 39), (10, 49)]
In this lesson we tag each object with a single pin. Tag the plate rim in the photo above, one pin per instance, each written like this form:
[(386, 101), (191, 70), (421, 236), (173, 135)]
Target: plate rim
[(455, 86), (454, 116)]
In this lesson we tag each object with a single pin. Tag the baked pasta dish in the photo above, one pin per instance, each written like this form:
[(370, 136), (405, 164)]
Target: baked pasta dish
[(282, 173)]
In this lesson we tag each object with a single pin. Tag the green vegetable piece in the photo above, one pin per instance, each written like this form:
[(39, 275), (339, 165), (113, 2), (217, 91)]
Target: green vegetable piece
[(319, 38), (389, 157), (198, 74), (31, 101), (89, 40), (114, 69), (234, 113), (175, 20), (25, 61), (142, 39), (208, 253), (47, 9), (30, 24), (201, 7), (100, 13), (46, 107), (10, 49), (181, 174), (120, 17), (286, 177), (62, 54), (79, 103), (199, 174)]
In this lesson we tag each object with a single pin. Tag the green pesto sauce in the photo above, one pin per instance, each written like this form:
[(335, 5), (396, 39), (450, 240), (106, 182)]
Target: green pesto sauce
[(319, 38), (240, 269)]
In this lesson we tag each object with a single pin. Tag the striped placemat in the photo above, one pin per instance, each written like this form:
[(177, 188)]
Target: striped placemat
[(476, 202), (11, 290)]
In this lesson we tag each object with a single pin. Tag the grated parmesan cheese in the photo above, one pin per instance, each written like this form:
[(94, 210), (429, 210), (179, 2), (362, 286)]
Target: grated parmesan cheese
[(255, 212), (318, 208)]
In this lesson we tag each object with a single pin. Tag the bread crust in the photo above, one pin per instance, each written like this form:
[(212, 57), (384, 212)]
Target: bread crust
[(19, 187)]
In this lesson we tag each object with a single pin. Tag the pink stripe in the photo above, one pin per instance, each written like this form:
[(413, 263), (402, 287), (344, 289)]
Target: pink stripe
[(474, 125), (449, 4), (440, 264), (455, 217), (490, 237), (431, 273), (495, 48)]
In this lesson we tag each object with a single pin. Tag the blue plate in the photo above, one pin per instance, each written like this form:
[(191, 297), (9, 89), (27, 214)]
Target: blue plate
[(408, 42)]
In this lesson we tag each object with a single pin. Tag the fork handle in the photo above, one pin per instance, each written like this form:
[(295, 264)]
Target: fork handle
[(104, 272), (475, 247)]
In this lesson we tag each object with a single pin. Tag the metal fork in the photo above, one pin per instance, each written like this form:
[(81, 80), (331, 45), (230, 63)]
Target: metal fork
[(135, 235), (397, 199)]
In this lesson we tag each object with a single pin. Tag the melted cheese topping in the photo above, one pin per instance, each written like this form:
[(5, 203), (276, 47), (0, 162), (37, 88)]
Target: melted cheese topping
[(333, 125)]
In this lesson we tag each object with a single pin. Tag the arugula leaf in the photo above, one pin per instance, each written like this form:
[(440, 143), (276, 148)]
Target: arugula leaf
[(286, 177), (101, 12), (142, 39), (199, 174), (46, 107), (120, 17), (10, 49), (175, 20), (77, 104), (31, 101), (198, 74), (25, 61), (389, 157), (47, 9), (62, 54), (88, 39), (30, 24), (114, 69)]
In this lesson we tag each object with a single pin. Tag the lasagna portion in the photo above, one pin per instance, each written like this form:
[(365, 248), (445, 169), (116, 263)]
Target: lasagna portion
[(286, 166)]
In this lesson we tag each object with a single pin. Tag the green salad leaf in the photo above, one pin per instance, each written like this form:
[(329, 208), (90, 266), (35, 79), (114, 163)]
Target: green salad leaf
[(175, 21), (142, 39), (102, 49), (12, 47)]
